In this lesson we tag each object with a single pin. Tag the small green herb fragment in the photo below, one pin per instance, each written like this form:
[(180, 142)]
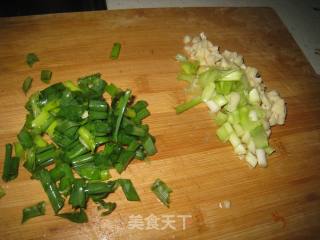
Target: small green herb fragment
[(115, 51), (31, 59), (76, 217), (27, 84), (2, 192), (162, 191), (34, 211), (46, 76)]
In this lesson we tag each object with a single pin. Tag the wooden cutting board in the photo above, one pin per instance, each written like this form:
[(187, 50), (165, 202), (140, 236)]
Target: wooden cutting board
[(280, 202)]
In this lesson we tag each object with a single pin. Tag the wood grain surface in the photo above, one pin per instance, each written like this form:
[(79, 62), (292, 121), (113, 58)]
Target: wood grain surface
[(280, 202)]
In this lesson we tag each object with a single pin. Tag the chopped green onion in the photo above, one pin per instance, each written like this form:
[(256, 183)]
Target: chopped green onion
[(162, 191), (187, 105), (122, 106), (94, 188), (149, 146), (39, 141), (34, 211), (112, 90), (124, 159), (78, 198), (46, 76), (2, 192), (10, 166), (51, 189), (115, 51), (27, 84), (30, 163), (31, 59), (86, 138), (109, 206), (76, 217), (71, 86), (25, 139), (186, 77), (189, 67), (129, 190)]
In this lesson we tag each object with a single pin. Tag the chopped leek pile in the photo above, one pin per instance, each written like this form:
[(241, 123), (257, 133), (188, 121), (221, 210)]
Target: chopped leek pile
[(244, 110), (72, 137)]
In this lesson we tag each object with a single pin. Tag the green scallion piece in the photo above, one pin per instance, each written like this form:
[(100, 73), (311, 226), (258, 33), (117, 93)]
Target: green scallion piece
[(51, 189), (129, 190), (2, 192), (76, 217), (46, 76), (122, 106), (10, 166), (27, 84), (115, 51), (187, 105), (34, 211), (31, 58), (109, 206)]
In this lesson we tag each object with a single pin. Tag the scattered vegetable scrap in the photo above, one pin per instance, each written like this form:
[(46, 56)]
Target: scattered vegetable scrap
[(27, 84), (162, 191), (31, 59), (244, 110), (88, 137), (115, 52), (34, 211), (2, 192), (46, 76)]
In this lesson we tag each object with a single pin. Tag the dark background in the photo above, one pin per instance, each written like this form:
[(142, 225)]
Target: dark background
[(31, 7)]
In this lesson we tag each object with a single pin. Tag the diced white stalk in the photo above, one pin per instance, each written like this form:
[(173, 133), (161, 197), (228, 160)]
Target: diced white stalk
[(266, 125), (251, 146), (188, 49), (196, 40), (230, 119), (85, 115), (253, 115), (234, 99), (181, 58), (251, 159), (254, 97), (246, 138), (186, 39), (220, 100), (268, 132), (234, 140), (208, 92), (228, 127), (240, 149), (261, 157), (202, 69), (278, 110), (238, 129), (212, 106)]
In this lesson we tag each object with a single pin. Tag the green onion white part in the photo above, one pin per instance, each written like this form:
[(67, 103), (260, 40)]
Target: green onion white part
[(235, 93)]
